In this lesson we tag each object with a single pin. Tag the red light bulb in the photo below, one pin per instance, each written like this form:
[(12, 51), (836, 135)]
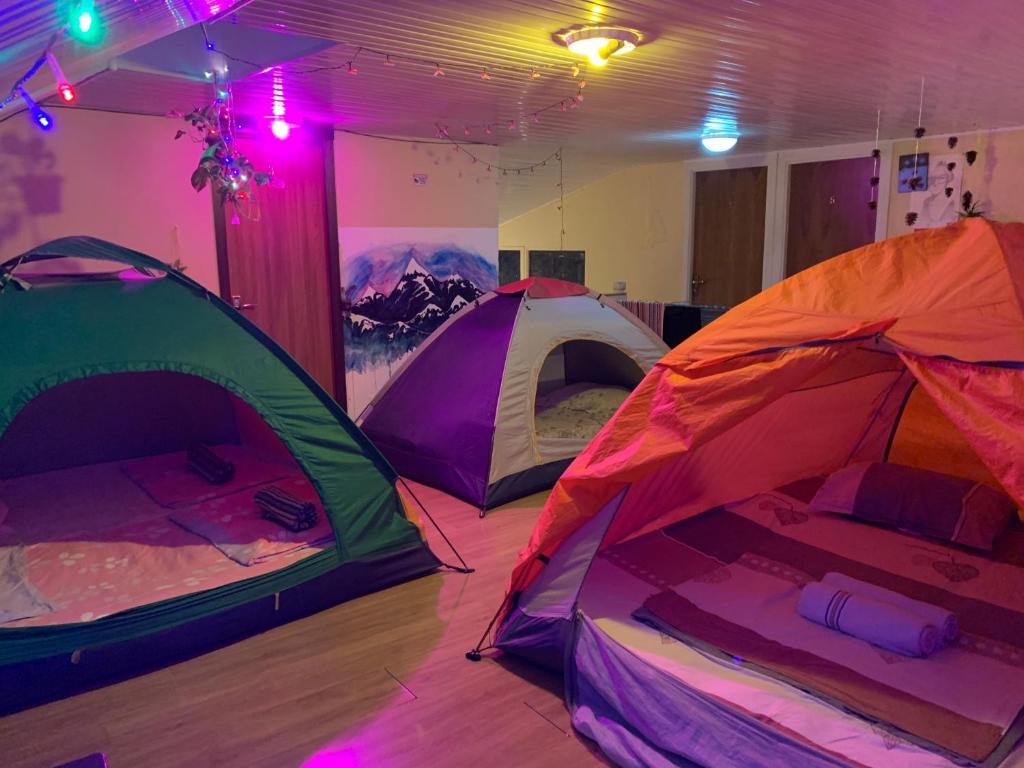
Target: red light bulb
[(67, 93)]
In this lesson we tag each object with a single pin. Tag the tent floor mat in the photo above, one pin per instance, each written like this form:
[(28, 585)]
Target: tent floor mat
[(32, 683), (577, 411), (96, 566)]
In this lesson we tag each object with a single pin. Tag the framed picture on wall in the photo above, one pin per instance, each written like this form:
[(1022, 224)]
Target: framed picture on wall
[(910, 167)]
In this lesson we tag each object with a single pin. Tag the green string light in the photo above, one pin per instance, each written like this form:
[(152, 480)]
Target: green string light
[(84, 24)]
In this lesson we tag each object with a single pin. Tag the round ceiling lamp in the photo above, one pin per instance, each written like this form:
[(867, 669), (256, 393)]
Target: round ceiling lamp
[(599, 44), (719, 142)]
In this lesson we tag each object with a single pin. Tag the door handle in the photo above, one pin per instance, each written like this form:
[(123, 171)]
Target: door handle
[(696, 283), (236, 302)]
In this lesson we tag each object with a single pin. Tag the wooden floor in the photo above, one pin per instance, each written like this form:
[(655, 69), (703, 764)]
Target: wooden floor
[(379, 682)]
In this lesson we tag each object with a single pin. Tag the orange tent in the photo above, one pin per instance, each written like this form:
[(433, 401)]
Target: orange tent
[(812, 374)]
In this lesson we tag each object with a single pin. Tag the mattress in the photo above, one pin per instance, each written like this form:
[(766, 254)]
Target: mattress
[(83, 543), (764, 720), (577, 411)]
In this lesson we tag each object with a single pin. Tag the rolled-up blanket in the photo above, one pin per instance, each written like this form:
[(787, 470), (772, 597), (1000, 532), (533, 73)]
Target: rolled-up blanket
[(879, 623), (208, 465), (285, 509), (933, 614)]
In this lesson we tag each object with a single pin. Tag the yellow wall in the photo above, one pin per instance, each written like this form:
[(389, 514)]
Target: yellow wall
[(119, 177), (631, 225), (995, 177)]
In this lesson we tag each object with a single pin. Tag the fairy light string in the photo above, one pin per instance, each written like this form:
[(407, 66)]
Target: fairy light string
[(15, 93), (389, 58), (438, 69), (460, 147)]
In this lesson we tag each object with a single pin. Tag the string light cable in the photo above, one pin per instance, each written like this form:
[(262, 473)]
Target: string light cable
[(439, 69), (19, 85), (86, 27)]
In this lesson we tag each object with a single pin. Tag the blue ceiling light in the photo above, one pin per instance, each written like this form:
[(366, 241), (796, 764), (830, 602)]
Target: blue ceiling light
[(720, 132), (719, 142)]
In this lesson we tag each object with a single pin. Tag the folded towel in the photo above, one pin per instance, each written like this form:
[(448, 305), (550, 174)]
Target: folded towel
[(932, 614), (208, 465), (882, 624), (285, 509)]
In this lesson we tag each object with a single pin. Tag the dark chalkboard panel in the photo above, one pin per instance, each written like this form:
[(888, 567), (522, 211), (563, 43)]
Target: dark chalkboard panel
[(563, 265), (508, 266)]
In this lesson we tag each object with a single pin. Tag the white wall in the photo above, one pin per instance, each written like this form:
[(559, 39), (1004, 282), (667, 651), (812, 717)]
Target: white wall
[(118, 177), (379, 203), (373, 178)]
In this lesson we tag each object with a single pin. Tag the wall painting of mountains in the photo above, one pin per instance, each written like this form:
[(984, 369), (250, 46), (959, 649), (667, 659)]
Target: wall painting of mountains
[(401, 284)]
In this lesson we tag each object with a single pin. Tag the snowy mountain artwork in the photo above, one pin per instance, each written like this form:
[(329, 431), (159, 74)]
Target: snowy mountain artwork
[(399, 286)]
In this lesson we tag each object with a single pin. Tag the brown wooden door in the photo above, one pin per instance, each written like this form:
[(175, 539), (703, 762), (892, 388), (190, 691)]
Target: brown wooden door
[(282, 269), (728, 235), (828, 210)]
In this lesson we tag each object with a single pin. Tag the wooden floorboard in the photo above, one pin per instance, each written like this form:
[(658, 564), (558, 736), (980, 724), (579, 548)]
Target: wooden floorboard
[(379, 682)]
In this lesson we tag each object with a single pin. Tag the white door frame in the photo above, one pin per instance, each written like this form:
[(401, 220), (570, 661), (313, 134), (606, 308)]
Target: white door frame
[(773, 264), (693, 167)]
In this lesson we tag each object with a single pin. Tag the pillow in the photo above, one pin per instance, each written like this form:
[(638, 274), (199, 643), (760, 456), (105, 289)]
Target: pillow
[(918, 501)]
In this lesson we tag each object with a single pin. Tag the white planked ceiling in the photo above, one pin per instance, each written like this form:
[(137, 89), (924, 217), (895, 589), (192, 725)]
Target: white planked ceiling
[(792, 73)]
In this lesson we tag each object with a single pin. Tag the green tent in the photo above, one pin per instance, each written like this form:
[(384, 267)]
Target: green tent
[(103, 372)]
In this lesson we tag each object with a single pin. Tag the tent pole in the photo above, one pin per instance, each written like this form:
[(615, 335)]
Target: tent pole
[(465, 567), (474, 655)]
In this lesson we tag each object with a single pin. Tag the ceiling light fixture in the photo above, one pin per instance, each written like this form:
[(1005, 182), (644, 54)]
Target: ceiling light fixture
[(719, 142), (598, 44)]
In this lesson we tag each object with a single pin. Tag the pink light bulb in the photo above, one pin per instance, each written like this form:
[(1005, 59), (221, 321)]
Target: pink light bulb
[(280, 129)]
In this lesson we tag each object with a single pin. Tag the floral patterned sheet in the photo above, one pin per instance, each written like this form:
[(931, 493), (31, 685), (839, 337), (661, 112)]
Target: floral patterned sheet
[(577, 411), (729, 579), (92, 544)]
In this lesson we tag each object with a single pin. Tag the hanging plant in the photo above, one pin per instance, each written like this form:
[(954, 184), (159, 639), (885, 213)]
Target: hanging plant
[(229, 172)]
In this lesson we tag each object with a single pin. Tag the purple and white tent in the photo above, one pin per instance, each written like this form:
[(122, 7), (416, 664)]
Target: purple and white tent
[(504, 395)]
